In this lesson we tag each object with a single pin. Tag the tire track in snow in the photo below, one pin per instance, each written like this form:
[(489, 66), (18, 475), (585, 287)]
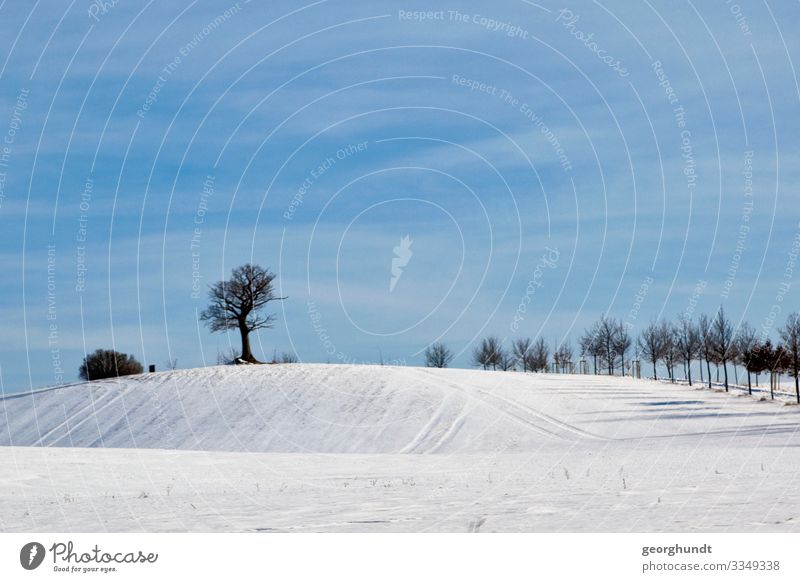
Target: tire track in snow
[(436, 423), (428, 428), (107, 400), (455, 426), (502, 410), (546, 417), (522, 413)]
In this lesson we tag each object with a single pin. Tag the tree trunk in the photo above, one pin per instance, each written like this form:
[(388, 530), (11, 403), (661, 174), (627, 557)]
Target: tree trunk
[(725, 369), (689, 372), (702, 380), (655, 376), (708, 365), (247, 355), (749, 386), (797, 386)]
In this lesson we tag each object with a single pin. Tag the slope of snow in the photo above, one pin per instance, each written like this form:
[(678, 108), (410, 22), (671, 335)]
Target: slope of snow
[(372, 409), (364, 448)]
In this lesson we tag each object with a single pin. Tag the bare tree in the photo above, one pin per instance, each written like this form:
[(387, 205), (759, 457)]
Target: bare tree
[(723, 341), (651, 344), (669, 352), (539, 356), (488, 353), (769, 358), (506, 360), (790, 334), (590, 345), (687, 342), (172, 364), (779, 362), (237, 303), (438, 355), (562, 356), (707, 350), (496, 351), (622, 344), (734, 357), (757, 361), (521, 348), (746, 342), (481, 356), (606, 338)]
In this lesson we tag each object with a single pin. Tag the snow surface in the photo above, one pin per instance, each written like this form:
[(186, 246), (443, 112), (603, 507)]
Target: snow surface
[(304, 447)]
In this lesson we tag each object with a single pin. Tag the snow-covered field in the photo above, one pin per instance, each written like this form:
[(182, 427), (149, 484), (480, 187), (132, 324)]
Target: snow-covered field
[(305, 447)]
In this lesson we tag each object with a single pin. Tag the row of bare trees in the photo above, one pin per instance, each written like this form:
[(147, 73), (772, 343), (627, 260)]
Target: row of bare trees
[(715, 341), (490, 354), (524, 354), (609, 345)]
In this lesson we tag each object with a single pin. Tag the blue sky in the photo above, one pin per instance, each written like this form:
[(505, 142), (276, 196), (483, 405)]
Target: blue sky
[(492, 136)]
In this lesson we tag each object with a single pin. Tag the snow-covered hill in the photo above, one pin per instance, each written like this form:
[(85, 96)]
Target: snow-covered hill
[(303, 447), (372, 409)]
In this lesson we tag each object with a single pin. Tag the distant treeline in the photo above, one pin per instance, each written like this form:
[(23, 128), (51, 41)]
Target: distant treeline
[(610, 348)]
